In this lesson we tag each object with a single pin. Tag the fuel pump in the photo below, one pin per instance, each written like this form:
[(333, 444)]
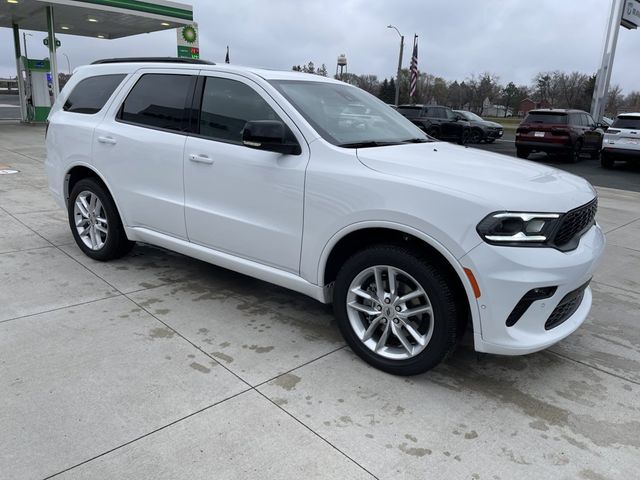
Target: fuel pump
[(38, 93)]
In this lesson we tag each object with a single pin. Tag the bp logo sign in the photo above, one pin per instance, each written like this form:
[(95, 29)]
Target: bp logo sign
[(189, 34), (187, 38)]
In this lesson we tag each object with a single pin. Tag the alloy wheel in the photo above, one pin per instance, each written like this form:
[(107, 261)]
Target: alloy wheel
[(90, 220), (390, 312)]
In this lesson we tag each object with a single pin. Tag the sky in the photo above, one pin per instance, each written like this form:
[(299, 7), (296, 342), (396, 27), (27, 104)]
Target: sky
[(514, 39)]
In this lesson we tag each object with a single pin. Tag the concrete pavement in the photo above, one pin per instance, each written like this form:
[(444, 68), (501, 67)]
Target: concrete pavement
[(160, 366)]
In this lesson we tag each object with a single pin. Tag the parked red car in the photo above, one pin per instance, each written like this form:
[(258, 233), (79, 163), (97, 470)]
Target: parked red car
[(566, 132)]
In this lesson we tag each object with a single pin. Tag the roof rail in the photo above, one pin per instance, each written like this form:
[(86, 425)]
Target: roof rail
[(153, 60)]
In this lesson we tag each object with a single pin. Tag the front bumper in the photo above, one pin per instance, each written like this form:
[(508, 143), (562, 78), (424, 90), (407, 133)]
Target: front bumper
[(494, 134), (506, 274)]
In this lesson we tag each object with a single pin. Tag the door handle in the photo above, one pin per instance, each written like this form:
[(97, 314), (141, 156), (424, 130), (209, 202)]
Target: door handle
[(200, 158), (107, 140)]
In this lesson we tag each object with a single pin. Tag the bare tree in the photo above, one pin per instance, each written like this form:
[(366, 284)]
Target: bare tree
[(615, 100)]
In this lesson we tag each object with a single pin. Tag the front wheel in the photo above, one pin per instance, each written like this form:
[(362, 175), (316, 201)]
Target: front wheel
[(522, 153), (606, 162), (464, 137), (395, 310), (476, 136)]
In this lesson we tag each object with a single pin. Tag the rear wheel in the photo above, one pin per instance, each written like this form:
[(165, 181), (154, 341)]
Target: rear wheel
[(434, 132), (395, 310), (522, 153), (573, 155), (95, 222)]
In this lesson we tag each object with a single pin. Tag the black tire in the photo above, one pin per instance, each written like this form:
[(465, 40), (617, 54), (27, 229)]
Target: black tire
[(573, 155), (464, 137), (522, 153), (489, 140), (476, 136), (116, 243), (606, 162), (430, 279)]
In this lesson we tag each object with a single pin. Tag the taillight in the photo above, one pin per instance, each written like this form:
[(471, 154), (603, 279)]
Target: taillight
[(522, 129)]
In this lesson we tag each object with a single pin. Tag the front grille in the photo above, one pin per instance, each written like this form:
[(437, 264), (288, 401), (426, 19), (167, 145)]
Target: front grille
[(567, 307), (574, 224)]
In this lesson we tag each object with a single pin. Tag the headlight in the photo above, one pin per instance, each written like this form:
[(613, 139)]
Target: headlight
[(521, 229)]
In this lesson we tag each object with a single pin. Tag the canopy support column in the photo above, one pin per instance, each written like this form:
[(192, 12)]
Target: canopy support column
[(21, 86), (52, 52)]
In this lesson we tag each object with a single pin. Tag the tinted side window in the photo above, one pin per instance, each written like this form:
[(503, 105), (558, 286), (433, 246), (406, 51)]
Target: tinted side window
[(90, 94), (159, 101), (589, 119), (227, 105)]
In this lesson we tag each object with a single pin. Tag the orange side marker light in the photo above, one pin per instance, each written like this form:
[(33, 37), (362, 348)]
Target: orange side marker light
[(474, 283)]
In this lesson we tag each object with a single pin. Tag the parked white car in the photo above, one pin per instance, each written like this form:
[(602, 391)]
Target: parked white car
[(267, 173), (621, 140)]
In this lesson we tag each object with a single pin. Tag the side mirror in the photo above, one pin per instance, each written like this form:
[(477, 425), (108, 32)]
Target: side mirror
[(269, 135)]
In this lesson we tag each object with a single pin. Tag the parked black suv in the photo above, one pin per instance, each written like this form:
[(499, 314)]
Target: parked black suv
[(481, 130), (566, 132), (439, 122)]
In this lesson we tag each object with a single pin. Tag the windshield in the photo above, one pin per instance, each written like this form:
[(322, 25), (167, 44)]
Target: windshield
[(543, 117), (627, 122), (348, 116), (470, 116)]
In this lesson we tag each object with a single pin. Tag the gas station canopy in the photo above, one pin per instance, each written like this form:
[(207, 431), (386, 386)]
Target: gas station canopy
[(96, 18), (107, 19)]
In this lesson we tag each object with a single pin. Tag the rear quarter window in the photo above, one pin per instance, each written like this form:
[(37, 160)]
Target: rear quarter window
[(410, 112), (546, 118), (159, 100), (91, 94)]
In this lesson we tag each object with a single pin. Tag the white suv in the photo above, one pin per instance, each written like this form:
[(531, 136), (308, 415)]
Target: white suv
[(271, 174), (622, 140)]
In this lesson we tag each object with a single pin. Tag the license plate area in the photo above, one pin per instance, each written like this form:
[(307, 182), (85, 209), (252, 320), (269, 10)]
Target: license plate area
[(538, 134)]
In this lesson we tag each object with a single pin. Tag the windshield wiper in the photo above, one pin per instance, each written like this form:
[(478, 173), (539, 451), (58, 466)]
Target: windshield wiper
[(367, 144), (416, 140)]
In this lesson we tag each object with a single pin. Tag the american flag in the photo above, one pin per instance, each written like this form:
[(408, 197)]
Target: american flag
[(413, 69)]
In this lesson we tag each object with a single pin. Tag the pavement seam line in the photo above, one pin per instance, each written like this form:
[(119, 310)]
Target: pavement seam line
[(118, 295), (255, 388), (147, 434), (316, 434), (607, 232), (599, 282), (619, 377), (60, 249)]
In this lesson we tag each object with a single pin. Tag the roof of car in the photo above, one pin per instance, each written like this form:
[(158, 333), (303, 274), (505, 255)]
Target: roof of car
[(556, 110), (130, 65), (419, 105)]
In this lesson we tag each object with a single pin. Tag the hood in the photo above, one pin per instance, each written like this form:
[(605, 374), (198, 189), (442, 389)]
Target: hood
[(498, 181)]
